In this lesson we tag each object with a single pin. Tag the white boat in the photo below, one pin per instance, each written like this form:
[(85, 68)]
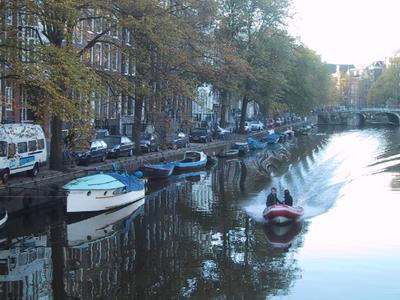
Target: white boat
[(103, 191), (193, 160), (102, 225)]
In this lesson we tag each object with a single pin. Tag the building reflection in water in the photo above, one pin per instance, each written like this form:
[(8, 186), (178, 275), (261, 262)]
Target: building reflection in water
[(26, 269)]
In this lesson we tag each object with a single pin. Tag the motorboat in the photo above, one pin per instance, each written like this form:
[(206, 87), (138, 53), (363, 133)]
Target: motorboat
[(242, 147), (3, 217), (193, 160), (281, 236), (157, 170), (281, 213), (229, 153), (255, 144), (103, 191)]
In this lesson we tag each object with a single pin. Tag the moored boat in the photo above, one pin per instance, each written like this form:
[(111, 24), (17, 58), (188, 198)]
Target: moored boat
[(255, 144), (272, 138), (157, 170), (103, 191), (281, 213), (193, 160), (242, 147), (229, 153)]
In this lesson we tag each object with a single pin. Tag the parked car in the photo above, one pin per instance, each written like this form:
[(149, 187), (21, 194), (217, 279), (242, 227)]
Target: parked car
[(96, 150), (178, 140), (119, 145), (149, 142), (256, 125), (200, 135)]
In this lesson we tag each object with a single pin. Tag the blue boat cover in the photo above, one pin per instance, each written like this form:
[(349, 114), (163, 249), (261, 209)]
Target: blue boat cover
[(106, 181), (254, 144), (131, 182), (273, 138)]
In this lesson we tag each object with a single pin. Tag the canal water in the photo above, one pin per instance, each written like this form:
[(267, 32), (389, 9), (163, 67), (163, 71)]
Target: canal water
[(201, 235)]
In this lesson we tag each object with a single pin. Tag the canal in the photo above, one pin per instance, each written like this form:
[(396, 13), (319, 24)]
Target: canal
[(201, 235)]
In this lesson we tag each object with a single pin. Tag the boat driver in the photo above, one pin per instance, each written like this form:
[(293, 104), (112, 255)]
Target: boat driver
[(272, 198)]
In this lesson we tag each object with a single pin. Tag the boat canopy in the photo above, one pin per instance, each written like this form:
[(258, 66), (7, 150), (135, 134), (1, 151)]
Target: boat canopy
[(130, 181), (108, 181)]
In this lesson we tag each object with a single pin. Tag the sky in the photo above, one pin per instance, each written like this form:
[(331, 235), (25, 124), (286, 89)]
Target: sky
[(355, 32)]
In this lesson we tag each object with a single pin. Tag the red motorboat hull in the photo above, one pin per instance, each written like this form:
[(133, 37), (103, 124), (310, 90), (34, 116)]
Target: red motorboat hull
[(282, 213)]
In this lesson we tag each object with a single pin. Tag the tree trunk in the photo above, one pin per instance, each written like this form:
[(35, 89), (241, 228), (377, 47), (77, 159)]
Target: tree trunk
[(137, 124), (243, 116), (56, 144), (224, 101)]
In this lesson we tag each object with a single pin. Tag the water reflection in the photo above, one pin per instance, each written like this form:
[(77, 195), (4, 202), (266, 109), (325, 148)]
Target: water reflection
[(26, 270), (282, 235), (190, 238)]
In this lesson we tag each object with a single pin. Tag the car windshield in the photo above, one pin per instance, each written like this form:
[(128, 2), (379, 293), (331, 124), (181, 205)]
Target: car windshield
[(3, 149), (199, 130), (144, 136), (112, 140)]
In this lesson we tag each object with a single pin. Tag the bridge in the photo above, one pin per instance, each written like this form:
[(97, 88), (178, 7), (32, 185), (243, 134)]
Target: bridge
[(360, 117)]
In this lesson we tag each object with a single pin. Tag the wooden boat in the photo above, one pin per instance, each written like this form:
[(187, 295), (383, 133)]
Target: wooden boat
[(255, 144), (103, 191), (157, 170), (229, 153), (3, 217), (242, 147), (281, 213), (193, 160)]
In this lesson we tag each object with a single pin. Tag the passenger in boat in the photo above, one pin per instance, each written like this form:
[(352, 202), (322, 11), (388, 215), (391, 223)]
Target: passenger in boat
[(272, 198), (288, 200)]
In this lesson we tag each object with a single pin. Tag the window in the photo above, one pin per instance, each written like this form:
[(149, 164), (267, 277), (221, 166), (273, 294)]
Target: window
[(22, 147), (106, 56), (32, 146), (40, 144), (9, 96), (11, 150), (97, 54), (3, 149)]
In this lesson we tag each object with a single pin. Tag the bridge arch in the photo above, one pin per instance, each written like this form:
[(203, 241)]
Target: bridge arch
[(392, 117)]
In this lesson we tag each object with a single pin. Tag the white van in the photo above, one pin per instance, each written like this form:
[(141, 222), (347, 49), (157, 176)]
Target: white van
[(22, 148)]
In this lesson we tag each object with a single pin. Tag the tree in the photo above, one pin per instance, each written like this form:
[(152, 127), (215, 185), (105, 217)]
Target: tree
[(248, 21), (386, 90), (50, 69), (309, 83)]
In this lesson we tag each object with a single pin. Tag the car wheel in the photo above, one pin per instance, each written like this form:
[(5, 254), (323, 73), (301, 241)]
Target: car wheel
[(5, 176), (34, 171)]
